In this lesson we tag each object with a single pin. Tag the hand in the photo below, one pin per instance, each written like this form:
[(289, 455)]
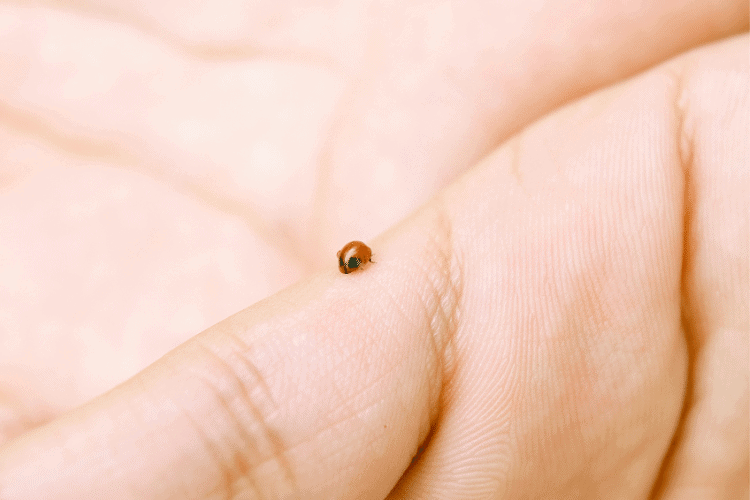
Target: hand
[(564, 314)]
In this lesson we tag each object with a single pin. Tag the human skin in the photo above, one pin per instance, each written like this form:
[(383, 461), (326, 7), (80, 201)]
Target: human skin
[(556, 200)]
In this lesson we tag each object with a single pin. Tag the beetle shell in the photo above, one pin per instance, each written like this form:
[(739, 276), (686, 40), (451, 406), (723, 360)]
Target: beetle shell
[(353, 257)]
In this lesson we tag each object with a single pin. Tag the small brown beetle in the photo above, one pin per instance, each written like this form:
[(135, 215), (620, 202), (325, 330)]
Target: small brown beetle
[(353, 256)]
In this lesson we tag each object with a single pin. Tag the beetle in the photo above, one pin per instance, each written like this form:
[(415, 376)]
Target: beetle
[(353, 256)]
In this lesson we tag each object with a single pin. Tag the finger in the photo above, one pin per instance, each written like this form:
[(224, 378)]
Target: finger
[(577, 390), (322, 391), (709, 458)]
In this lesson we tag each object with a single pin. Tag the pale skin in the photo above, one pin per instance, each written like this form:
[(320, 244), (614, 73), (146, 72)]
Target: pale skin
[(557, 199)]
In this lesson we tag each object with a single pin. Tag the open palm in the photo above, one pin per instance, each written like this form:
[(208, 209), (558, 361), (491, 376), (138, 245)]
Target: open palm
[(566, 320)]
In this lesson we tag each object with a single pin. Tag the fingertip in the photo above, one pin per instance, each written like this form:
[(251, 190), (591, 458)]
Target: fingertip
[(324, 389)]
